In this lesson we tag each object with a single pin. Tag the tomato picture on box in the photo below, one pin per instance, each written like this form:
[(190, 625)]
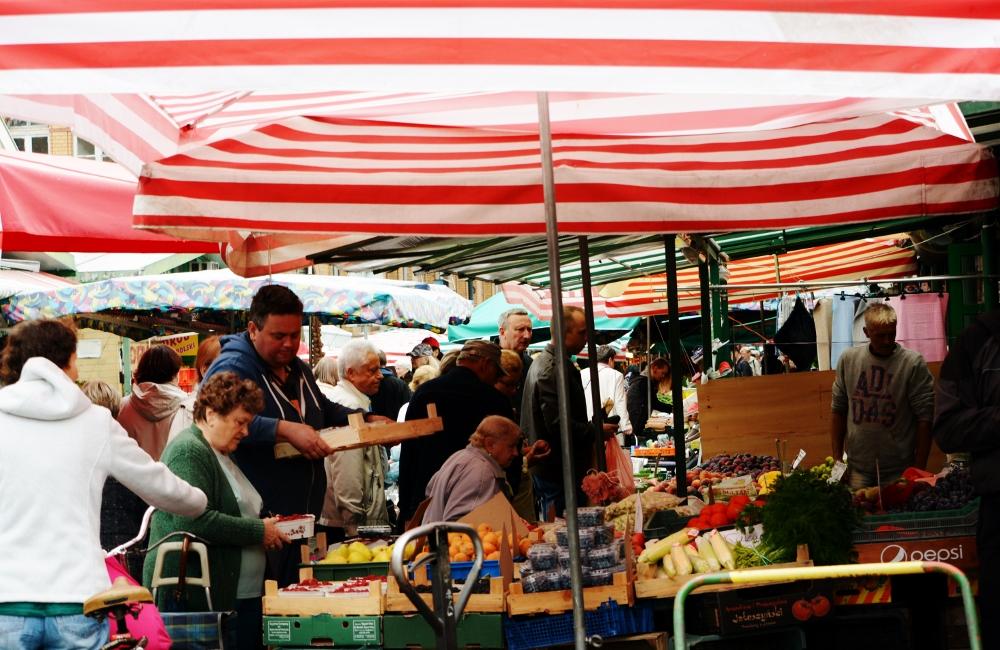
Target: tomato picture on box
[(297, 526)]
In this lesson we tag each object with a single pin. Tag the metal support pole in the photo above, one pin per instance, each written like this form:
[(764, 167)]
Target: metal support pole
[(649, 384), (595, 387), (989, 243), (562, 378), (706, 317), (676, 378)]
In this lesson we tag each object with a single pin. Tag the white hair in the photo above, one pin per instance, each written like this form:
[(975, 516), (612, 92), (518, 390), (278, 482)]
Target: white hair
[(354, 354), (514, 311)]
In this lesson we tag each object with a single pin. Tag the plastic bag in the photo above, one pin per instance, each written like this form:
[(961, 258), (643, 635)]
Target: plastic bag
[(619, 465), (150, 623)]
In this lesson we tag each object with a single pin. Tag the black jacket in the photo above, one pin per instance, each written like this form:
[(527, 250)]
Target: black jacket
[(968, 401), (462, 402), (392, 394), (637, 401), (540, 416), (291, 485)]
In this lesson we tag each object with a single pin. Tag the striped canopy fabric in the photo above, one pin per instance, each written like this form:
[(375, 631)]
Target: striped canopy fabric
[(250, 118), (869, 259)]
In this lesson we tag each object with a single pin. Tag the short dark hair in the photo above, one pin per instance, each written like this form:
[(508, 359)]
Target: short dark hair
[(158, 365), (51, 339), (569, 315), (274, 300), (225, 391)]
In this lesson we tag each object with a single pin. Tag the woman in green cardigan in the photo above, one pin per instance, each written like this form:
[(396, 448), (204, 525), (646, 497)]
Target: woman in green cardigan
[(231, 524)]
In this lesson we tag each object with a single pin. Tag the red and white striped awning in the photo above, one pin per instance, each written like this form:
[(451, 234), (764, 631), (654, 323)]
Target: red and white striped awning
[(868, 259), (421, 118)]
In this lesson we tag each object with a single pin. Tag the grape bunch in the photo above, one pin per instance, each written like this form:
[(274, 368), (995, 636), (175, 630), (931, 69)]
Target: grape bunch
[(951, 491), (740, 464), (823, 470)]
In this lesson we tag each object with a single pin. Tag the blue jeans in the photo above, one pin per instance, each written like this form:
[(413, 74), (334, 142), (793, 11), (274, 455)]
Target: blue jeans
[(548, 495), (52, 633)]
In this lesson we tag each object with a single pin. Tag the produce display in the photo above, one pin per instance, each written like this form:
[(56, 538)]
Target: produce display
[(740, 464), (824, 469), (910, 493), (602, 555), (622, 514), (719, 515), (359, 553), (312, 587), (686, 552)]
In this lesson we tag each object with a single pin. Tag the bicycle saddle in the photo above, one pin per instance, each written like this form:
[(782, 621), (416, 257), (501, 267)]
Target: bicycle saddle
[(120, 593)]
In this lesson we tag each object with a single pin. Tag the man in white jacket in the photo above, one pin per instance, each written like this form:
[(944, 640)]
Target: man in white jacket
[(355, 478), (612, 387), (56, 450)]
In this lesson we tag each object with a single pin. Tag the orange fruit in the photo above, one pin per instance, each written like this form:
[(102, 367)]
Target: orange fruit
[(524, 546), (460, 557), (468, 549), (495, 555), (491, 538), (484, 528), (489, 548)]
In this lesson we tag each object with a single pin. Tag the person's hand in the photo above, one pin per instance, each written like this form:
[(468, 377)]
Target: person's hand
[(536, 452), (273, 538), (371, 418), (304, 438)]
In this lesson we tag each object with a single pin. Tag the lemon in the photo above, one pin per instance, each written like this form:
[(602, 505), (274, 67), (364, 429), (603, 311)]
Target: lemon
[(358, 558)]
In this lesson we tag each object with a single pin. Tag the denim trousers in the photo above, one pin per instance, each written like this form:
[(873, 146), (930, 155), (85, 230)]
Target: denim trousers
[(75, 632)]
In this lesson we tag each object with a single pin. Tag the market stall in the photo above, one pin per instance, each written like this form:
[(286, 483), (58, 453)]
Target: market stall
[(201, 171)]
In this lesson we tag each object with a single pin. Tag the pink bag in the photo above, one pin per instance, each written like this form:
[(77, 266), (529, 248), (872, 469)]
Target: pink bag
[(149, 624), (619, 465)]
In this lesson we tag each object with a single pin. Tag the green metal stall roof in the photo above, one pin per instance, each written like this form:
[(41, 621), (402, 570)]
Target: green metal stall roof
[(612, 258)]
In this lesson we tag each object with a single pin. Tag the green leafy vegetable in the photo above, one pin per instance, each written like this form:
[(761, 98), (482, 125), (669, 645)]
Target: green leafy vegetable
[(804, 509)]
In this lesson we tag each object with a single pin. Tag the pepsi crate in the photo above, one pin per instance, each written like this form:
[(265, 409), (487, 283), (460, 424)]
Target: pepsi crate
[(903, 526), (608, 620)]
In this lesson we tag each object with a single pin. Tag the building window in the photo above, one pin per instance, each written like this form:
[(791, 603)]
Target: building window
[(88, 150), (29, 136)]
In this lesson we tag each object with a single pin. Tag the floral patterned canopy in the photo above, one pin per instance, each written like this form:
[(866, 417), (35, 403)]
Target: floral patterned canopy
[(334, 299)]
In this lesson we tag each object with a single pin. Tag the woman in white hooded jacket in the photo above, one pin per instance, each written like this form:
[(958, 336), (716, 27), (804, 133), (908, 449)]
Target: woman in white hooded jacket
[(56, 450)]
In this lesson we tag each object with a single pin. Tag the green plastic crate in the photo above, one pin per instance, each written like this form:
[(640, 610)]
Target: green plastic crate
[(902, 526), (338, 572), (412, 631), (323, 630)]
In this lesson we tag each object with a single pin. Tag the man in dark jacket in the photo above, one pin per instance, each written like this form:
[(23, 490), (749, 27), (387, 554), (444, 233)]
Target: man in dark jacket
[(968, 420), (463, 397), (294, 408), (637, 398), (392, 392), (540, 417)]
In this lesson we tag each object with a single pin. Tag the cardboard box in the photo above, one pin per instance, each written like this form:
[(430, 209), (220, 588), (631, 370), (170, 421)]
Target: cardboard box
[(757, 608)]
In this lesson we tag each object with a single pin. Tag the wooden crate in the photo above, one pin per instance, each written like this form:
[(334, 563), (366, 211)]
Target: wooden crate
[(359, 433), (554, 602), (370, 604), (493, 602), (647, 586)]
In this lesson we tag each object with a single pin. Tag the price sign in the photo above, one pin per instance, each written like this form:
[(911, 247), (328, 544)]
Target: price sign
[(798, 458), (837, 472)]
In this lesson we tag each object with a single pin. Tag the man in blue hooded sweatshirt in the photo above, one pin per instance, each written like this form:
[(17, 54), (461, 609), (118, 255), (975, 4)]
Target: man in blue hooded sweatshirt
[(294, 408)]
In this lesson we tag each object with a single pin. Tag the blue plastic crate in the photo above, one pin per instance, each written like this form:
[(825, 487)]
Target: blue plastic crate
[(460, 570), (608, 620)]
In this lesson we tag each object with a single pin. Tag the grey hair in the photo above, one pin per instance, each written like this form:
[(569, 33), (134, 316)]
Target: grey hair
[(494, 427), (354, 354), (326, 371), (605, 353), (513, 311)]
